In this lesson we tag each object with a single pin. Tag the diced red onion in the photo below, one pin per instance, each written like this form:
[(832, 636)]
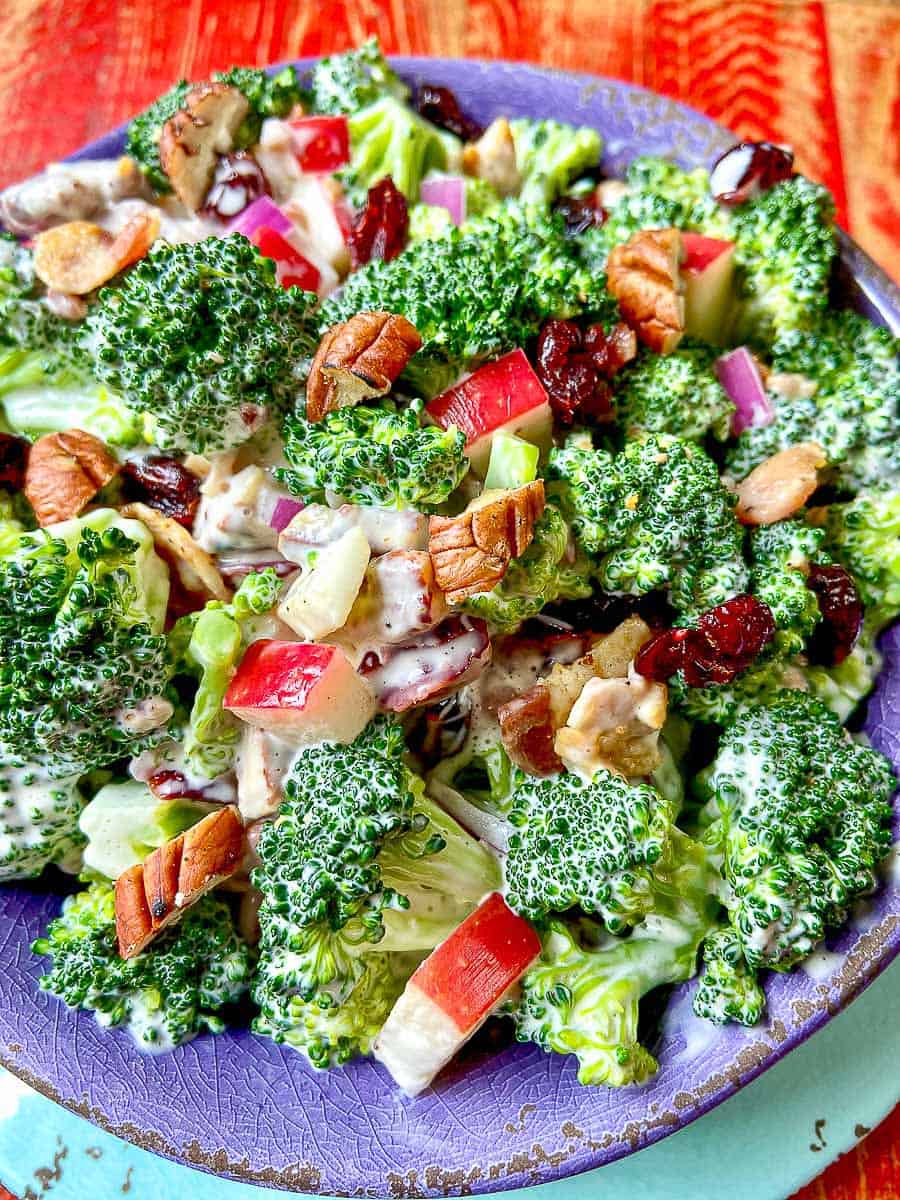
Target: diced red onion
[(236, 567), (262, 212), (739, 376), (284, 512), (448, 192)]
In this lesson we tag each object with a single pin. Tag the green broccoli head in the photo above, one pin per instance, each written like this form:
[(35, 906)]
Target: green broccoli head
[(583, 994), (593, 844), (203, 341), (550, 154), (377, 454), (268, 96), (331, 1034), (164, 996), (345, 83), (81, 646), (38, 820), (864, 536), (801, 814), (727, 989), (542, 575), (355, 828), (676, 393), (785, 247), (467, 295), (780, 557), (654, 516), (853, 412), (388, 138)]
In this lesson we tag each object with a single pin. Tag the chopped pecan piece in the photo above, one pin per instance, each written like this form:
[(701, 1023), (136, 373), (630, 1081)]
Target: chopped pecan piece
[(156, 892), (493, 158), (526, 729), (193, 139), (471, 552), (780, 485), (197, 570), (78, 257), (614, 723), (644, 276), (65, 472), (358, 360)]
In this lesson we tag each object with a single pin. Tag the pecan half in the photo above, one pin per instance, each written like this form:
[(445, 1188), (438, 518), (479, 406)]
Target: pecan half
[(65, 472), (526, 730), (78, 257), (471, 552), (155, 893), (780, 485), (193, 139), (644, 277), (197, 571), (493, 158), (358, 360)]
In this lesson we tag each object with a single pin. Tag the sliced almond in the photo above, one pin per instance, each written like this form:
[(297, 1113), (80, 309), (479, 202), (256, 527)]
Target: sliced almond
[(781, 485), (78, 257), (155, 893), (197, 135), (196, 569)]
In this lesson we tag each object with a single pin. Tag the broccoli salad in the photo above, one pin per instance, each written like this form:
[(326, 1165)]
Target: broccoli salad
[(438, 583)]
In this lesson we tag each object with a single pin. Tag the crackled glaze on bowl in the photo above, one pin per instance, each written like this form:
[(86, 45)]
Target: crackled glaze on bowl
[(244, 1107)]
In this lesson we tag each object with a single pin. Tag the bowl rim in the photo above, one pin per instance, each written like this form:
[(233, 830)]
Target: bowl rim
[(875, 949)]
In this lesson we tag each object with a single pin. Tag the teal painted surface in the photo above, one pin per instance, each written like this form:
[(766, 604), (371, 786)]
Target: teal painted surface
[(764, 1143)]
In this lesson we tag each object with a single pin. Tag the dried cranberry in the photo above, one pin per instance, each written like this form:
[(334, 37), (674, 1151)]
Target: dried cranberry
[(748, 169), (164, 484), (842, 614), (610, 351), (724, 642), (440, 106), (13, 461), (569, 374), (237, 182), (379, 230), (580, 212)]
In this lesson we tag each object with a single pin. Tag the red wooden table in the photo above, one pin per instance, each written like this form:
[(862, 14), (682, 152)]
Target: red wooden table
[(823, 76)]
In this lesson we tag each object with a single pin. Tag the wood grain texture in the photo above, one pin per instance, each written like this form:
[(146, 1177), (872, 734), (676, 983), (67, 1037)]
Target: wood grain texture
[(824, 76)]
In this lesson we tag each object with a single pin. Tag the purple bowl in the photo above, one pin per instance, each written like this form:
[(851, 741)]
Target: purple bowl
[(242, 1107)]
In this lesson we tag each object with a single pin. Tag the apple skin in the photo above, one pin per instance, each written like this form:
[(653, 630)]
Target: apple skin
[(302, 691), (504, 396), (708, 275)]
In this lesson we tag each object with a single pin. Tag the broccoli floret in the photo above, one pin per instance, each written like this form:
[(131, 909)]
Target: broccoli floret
[(124, 822), (780, 555), (376, 454), (801, 814), (345, 83), (550, 154), (676, 393), (203, 340), (25, 320), (582, 996), (81, 645), (468, 295), (864, 535), (480, 770), (388, 138), (853, 413), (330, 1035), (761, 683), (38, 820), (727, 990), (654, 516), (208, 645), (785, 246), (355, 827), (539, 577), (428, 221), (164, 996), (593, 844), (268, 95)]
